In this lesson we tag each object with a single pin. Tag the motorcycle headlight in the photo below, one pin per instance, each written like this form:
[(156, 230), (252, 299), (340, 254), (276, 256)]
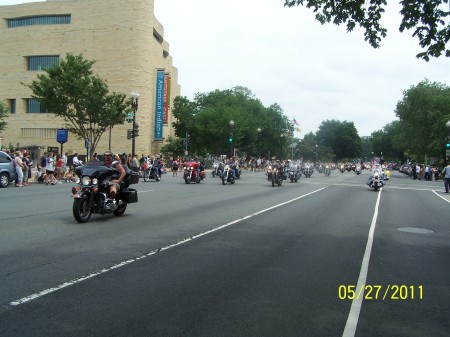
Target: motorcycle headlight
[(375, 175), (94, 181), (85, 181)]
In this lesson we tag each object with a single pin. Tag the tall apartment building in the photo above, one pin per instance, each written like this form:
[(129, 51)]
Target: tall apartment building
[(127, 43)]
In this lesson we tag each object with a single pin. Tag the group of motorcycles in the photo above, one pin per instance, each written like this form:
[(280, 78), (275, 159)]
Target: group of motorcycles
[(91, 193), (227, 172)]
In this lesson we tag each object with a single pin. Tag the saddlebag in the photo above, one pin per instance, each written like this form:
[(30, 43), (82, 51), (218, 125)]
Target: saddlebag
[(129, 195), (133, 177)]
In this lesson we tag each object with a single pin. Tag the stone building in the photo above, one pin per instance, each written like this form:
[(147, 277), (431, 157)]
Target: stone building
[(127, 43)]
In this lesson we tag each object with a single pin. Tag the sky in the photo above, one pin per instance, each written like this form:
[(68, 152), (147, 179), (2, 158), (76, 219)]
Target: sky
[(283, 55)]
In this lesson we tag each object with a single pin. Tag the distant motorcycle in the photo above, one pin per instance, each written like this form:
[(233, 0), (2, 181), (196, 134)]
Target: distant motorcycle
[(376, 180), (358, 169), (294, 173), (217, 169), (275, 175), (193, 172), (227, 175), (327, 170), (308, 170), (152, 172)]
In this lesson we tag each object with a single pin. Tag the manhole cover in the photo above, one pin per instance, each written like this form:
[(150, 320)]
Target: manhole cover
[(415, 230)]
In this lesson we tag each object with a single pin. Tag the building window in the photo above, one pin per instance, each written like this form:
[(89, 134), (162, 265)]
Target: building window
[(39, 20), (158, 37), (12, 106), (41, 62), (38, 133), (34, 106)]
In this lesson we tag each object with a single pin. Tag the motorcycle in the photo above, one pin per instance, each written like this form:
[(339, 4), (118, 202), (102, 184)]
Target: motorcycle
[(342, 168), (358, 169), (376, 180), (193, 172), (227, 176), (308, 170), (275, 175), (90, 196), (217, 169), (327, 170), (152, 172), (294, 173)]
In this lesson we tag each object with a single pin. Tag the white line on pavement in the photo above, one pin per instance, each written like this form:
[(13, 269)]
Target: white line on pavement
[(353, 316), (153, 252)]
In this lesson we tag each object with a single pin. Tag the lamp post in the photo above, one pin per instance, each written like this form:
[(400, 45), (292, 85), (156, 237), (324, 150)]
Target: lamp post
[(447, 150), (231, 137), (282, 139), (259, 140), (316, 153), (134, 105)]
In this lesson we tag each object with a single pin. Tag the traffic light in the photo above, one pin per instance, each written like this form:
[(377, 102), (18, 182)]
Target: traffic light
[(136, 130), (129, 134), (447, 143), (230, 138)]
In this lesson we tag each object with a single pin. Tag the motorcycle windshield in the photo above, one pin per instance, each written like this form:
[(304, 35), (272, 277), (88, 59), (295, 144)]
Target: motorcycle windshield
[(98, 171)]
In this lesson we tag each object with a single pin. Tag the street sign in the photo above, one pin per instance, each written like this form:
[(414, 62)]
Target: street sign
[(62, 135)]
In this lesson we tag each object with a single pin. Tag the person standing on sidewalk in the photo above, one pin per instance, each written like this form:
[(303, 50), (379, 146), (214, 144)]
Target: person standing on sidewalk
[(18, 164), (446, 177)]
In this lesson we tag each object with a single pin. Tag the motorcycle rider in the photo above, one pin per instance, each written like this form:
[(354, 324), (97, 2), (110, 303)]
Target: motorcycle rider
[(114, 185)]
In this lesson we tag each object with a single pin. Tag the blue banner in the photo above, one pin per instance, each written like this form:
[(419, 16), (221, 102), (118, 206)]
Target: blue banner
[(159, 103)]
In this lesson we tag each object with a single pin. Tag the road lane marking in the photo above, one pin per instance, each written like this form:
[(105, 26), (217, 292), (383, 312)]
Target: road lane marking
[(353, 316), (442, 197), (153, 252)]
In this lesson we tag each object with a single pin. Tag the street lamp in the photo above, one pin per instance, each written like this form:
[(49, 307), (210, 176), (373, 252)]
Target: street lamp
[(259, 140), (316, 153), (282, 138), (134, 105), (231, 138)]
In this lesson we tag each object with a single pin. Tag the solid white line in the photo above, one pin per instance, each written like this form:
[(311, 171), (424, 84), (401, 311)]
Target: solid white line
[(153, 252), (353, 316), (440, 196)]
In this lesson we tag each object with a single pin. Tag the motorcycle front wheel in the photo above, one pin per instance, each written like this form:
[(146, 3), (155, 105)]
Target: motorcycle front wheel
[(146, 175), (223, 180), (274, 177), (187, 180), (81, 210), (121, 209)]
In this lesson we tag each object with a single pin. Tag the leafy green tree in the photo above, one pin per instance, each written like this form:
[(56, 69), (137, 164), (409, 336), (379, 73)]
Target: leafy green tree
[(70, 90), (385, 141), (3, 115), (207, 121), (427, 18), (173, 147), (341, 137), (423, 113)]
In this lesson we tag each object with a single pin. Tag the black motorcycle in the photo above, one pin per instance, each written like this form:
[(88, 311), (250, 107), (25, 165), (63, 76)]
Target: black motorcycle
[(91, 193), (152, 172), (276, 175)]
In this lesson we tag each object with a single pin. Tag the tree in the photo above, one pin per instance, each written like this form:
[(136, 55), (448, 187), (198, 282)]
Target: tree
[(70, 90), (207, 121), (428, 19), (423, 113), (341, 137), (3, 115)]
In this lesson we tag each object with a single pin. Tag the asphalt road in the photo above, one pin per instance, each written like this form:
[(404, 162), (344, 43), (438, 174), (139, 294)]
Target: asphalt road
[(323, 257)]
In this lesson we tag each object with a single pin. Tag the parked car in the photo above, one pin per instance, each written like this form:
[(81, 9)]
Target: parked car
[(7, 172)]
